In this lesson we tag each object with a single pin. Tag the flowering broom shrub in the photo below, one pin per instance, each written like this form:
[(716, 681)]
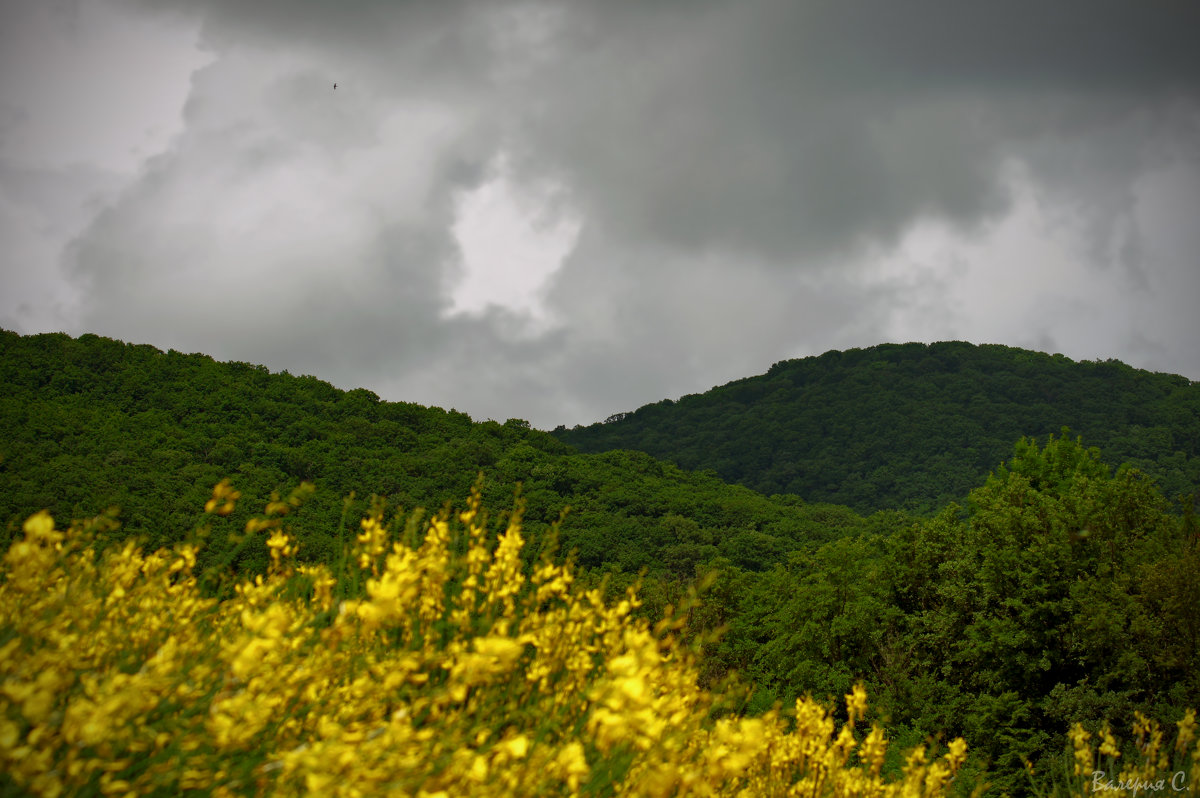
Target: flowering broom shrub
[(431, 661), (1098, 765)]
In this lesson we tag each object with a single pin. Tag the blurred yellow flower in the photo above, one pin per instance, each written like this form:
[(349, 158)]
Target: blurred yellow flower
[(856, 702), (452, 666)]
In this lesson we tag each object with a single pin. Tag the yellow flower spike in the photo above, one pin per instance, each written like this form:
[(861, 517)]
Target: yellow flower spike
[(915, 758), (1187, 731), (39, 529), (856, 702), (1108, 746), (572, 765), (473, 504), (502, 649), (517, 747), (276, 506), (1141, 726), (845, 742), (371, 543), (10, 734), (20, 554), (1082, 751), (224, 499), (185, 558), (256, 525), (957, 754)]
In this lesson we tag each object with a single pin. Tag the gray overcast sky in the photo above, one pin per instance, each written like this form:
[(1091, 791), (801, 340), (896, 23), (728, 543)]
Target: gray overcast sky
[(557, 210)]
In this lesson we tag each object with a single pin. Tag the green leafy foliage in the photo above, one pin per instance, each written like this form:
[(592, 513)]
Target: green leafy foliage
[(1061, 593), (911, 426), (92, 423)]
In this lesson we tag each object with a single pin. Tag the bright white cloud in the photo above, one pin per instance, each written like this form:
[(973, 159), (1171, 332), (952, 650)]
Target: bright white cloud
[(1032, 278), (512, 238)]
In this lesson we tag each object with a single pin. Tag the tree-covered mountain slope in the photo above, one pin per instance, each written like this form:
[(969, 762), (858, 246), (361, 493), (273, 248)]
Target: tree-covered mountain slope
[(911, 426), (1060, 592), (1056, 591), (90, 422)]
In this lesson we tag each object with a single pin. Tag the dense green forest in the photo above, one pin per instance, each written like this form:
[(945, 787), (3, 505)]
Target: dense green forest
[(1061, 592), (911, 426), (92, 422), (1049, 587)]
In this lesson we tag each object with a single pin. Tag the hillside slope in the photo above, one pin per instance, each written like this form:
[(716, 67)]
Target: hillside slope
[(91, 422), (911, 425), (1058, 591)]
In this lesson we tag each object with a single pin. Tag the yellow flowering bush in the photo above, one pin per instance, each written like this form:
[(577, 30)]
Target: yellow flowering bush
[(1098, 766), (431, 661)]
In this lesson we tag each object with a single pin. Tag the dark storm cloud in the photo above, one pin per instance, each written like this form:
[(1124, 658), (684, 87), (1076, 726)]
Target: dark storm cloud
[(1124, 47), (428, 47), (802, 128), (277, 230), (785, 129)]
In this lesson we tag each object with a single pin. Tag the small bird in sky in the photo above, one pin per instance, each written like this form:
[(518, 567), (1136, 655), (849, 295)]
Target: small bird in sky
[(335, 87)]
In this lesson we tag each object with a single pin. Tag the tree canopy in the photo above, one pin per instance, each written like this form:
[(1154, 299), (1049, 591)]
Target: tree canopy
[(911, 426), (92, 423)]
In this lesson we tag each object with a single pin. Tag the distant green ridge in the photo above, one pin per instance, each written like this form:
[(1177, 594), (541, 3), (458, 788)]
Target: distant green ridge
[(91, 422), (912, 426)]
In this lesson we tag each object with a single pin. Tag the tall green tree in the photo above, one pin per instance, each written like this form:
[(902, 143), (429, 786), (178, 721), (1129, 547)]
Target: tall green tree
[(1043, 604)]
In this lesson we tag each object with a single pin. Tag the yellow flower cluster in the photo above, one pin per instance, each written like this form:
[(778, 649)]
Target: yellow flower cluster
[(1153, 768), (454, 669), (224, 499)]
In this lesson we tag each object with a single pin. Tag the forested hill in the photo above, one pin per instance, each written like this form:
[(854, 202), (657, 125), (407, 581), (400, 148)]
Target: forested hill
[(912, 425), (90, 422)]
